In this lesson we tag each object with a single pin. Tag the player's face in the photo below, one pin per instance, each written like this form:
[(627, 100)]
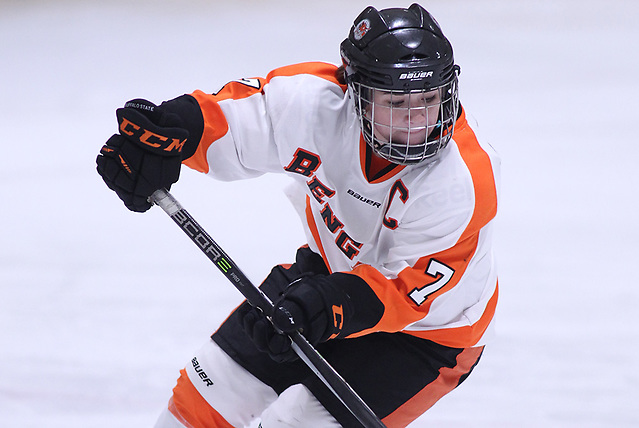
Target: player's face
[(406, 118)]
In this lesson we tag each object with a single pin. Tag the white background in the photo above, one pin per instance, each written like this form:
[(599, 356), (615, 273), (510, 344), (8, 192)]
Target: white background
[(100, 307)]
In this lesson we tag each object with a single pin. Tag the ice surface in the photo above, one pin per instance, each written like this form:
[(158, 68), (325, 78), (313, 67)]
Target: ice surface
[(100, 307)]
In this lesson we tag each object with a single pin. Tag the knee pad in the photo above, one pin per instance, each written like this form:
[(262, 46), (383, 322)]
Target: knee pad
[(297, 407)]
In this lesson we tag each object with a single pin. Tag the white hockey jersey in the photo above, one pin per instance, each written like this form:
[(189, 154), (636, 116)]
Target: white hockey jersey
[(419, 235)]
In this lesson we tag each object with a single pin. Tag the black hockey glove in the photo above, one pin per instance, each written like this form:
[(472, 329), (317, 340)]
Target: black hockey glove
[(321, 307), (147, 153)]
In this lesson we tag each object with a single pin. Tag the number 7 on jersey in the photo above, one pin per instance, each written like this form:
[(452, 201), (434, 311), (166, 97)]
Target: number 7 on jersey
[(442, 275)]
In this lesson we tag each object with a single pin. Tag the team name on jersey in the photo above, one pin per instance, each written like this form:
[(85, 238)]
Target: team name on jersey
[(306, 163)]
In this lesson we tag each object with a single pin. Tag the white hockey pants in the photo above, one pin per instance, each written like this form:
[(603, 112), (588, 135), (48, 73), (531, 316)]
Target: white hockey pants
[(214, 391)]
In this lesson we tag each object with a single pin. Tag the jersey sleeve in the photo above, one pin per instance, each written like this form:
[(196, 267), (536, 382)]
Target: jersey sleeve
[(242, 120)]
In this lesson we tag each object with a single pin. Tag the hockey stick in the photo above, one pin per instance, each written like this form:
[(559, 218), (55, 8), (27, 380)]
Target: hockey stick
[(324, 371)]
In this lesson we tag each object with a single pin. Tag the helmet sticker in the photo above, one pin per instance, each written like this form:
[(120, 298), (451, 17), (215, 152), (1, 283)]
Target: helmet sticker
[(361, 29)]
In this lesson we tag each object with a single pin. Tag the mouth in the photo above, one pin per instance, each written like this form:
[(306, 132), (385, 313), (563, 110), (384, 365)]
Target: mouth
[(409, 137)]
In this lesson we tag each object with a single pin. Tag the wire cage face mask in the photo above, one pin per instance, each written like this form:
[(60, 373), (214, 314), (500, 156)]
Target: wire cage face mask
[(406, 127)]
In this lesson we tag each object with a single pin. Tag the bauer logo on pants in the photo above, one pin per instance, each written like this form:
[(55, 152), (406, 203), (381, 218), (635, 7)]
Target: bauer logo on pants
[(200, 372)]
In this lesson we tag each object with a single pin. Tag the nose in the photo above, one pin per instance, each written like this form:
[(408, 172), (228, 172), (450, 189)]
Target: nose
[(417, 116)]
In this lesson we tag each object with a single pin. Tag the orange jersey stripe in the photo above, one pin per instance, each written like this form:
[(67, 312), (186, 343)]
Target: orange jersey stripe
[(313, 228), (481, 172), (191, 409), (320, 69), (447, 381)]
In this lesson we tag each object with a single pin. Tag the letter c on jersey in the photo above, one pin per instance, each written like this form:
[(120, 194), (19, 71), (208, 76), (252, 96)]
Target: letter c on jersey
[(398, 187)]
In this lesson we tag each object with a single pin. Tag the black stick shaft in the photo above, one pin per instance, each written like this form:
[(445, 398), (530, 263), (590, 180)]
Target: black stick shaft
[(258, 299)]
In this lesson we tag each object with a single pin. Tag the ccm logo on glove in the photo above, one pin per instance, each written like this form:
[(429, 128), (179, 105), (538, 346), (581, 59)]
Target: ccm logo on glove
[(147, 153), (152, 139)]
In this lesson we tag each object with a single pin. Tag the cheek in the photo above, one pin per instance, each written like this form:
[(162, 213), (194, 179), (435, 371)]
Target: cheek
[(433, 115), (380, 113)]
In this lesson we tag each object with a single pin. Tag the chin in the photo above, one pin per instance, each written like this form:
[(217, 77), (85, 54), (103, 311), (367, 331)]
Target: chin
[(412, 140)]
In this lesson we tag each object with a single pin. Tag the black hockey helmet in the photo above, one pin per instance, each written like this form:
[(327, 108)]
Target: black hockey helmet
[(401, 51)]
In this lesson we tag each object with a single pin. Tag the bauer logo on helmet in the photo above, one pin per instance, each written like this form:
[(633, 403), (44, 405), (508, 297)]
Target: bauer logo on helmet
[(416, 75)]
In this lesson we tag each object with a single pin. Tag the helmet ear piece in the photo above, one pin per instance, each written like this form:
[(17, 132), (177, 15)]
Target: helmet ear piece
[(428, 20)]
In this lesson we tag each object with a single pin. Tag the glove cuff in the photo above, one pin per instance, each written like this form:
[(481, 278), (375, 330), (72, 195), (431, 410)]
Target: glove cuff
[(357, 309)]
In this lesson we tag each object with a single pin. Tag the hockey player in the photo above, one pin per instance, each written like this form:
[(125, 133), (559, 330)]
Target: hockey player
[(397, 286)]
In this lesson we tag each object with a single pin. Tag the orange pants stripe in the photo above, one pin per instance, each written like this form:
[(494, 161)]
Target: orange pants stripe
[(190, 408), (447, 381)]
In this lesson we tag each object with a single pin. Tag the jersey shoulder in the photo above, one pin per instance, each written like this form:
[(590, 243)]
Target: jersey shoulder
[(483, 165), (323, 70)]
